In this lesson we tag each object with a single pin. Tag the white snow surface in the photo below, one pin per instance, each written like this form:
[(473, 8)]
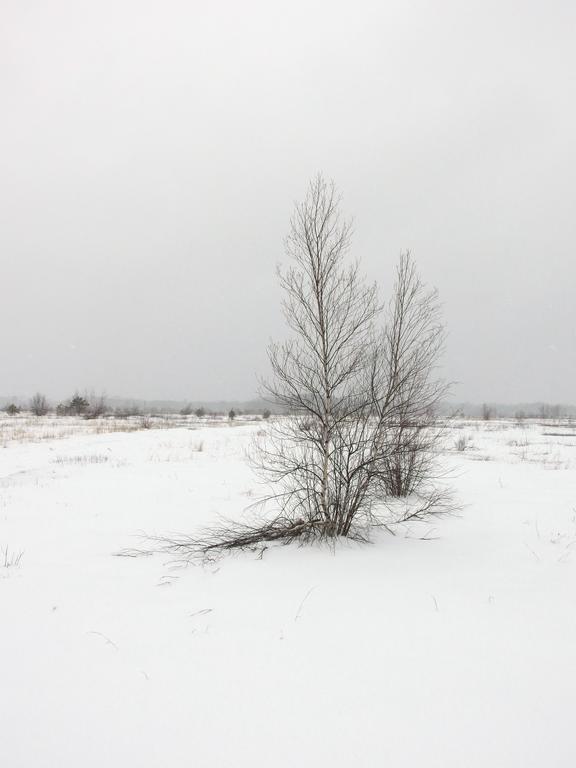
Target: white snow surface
[(451, 644)]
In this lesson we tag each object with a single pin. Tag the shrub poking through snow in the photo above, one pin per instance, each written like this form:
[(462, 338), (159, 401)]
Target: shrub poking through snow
[(461, 444)]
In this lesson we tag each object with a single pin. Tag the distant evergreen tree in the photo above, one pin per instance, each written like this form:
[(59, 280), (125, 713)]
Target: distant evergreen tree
[(78, 405)]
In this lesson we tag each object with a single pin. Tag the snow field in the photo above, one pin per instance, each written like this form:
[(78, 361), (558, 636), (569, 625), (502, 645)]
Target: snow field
[(448, 645)]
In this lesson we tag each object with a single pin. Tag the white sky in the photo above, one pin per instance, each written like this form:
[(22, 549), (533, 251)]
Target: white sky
[(151, 152)]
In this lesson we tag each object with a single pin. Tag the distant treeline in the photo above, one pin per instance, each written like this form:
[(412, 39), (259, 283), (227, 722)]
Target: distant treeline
[(95, 406), (98, 406), (487, 411)]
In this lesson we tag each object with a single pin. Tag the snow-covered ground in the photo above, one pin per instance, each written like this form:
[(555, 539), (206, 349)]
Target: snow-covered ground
[(451, 644)]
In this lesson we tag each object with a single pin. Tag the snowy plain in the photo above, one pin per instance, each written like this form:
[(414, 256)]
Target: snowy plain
[(449, 645)]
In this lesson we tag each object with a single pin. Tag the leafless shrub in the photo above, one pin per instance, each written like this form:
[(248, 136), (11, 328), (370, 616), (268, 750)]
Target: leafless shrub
[(97, 407), (39, 405), (461, 443), (10, 559)]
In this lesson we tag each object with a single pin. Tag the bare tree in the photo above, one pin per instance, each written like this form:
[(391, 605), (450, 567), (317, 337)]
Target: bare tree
[(319, 375), (487, 412), (39, 405), (359, 402), (97, 407), (407, 389)]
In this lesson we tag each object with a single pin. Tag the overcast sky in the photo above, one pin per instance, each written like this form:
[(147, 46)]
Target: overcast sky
[(151, 153)]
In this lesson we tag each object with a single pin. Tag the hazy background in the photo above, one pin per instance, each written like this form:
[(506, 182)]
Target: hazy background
[(151, 152)]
